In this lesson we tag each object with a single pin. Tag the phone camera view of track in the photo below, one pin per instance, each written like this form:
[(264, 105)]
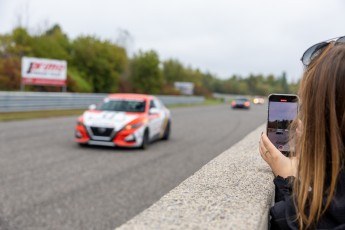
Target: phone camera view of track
[(280, 138), (124, 120), (282, 110)]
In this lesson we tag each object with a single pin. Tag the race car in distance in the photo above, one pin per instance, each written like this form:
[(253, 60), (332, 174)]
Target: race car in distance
[(258, 100), (240, 102), (125, 120)]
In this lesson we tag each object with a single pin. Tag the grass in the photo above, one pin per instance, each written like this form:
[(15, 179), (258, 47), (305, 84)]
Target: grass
[(12, 116)]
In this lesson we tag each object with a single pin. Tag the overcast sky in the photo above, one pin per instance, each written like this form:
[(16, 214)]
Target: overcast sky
[(224, 37)]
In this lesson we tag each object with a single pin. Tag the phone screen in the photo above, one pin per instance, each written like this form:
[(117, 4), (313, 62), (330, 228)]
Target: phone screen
[(282, 110)]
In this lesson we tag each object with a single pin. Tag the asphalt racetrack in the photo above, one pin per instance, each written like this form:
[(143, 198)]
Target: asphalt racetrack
[(48, 182)]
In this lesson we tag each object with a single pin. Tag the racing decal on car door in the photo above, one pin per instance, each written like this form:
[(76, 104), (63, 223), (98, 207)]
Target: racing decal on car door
[(156, 116), (164, 125)]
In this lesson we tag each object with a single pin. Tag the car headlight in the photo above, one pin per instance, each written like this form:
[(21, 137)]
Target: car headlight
[(134, 126)]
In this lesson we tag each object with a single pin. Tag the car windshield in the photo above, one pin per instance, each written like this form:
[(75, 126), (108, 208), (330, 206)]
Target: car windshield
[(122, 105)]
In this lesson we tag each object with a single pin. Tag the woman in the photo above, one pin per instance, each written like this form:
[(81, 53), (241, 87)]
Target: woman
[(316, 198)]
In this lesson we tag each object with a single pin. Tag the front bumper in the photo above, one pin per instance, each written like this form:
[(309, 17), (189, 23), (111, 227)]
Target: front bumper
[(122, 138)]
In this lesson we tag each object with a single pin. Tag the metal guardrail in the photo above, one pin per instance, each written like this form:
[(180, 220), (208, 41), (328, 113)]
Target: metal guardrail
[(229, 97), (31, 101)]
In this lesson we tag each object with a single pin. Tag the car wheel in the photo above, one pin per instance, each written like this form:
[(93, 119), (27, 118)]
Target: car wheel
[(145, 143), (167, 131)]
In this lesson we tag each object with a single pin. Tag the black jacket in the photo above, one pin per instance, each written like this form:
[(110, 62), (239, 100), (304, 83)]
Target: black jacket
[(283, 213)]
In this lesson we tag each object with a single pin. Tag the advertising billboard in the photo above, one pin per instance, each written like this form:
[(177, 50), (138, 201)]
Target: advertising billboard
[(40, 71), (186, 88)]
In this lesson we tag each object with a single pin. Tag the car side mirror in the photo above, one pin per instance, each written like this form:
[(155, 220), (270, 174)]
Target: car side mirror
[(92, 107), (154, 111)]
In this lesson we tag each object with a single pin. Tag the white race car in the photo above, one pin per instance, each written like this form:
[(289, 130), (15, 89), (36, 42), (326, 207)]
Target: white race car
[(125, 120)]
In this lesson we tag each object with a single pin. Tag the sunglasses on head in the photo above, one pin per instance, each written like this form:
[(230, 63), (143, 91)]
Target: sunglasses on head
[(314, 50)]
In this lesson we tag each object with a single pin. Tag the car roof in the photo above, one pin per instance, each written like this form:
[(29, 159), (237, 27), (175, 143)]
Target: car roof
[(133, 96)]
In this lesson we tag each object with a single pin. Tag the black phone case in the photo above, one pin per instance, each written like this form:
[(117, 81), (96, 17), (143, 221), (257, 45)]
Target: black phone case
[(277, 130)]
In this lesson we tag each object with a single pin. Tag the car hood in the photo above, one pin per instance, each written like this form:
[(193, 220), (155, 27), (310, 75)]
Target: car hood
[(108, 119)]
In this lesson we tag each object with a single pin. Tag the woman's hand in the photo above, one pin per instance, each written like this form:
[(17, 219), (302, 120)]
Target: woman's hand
[(280, 164)]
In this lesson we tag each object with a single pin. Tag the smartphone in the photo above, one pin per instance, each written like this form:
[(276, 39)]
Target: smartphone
[(282, 110)]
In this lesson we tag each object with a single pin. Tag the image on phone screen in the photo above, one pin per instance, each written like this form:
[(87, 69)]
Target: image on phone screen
[(281, 112)]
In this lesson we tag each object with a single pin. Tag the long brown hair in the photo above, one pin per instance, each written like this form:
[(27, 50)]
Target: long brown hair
[(321, 145)]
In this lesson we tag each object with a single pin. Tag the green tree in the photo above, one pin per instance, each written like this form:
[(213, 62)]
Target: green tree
[(10, 75), (145, 74), (284, 84), (12, 47), (100, 63), (52, 44), (21, 43), (101, 66), (173, 71)]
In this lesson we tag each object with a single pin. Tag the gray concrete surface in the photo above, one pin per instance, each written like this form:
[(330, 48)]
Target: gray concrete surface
[(48, 182), (233, 191)]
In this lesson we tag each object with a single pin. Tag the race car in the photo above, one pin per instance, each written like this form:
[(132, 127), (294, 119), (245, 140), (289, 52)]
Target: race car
[(258, 100), (124, 120), (240, 102)]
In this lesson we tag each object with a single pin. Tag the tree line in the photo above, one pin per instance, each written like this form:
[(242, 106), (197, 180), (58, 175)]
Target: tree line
[(102, 66)]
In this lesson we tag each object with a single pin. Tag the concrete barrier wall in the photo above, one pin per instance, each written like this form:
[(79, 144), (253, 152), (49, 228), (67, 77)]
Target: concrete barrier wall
[(233, 191), (30, 101)]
